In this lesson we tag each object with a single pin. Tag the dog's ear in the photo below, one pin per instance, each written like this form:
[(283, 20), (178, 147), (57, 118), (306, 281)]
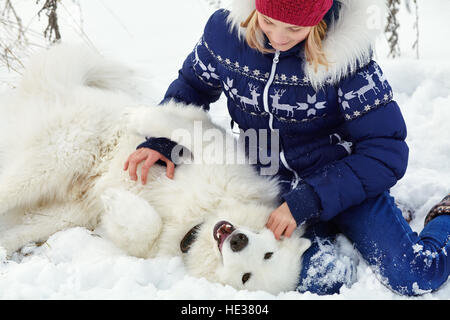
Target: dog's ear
[(304, 244), (189, 239)]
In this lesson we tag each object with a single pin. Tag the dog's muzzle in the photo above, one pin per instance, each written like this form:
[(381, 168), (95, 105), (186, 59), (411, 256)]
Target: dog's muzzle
[(238, 242)]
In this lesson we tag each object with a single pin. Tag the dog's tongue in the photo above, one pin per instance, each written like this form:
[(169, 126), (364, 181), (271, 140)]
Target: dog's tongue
[(222, 230)]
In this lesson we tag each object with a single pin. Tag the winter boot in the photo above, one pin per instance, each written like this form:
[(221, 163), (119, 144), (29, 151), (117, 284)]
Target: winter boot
[(440, 209)]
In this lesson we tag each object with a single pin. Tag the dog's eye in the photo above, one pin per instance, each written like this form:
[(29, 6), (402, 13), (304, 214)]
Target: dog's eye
[(268, 255), (245, 277)]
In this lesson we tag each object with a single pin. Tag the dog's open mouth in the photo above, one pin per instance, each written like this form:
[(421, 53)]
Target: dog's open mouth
[(221, 232)]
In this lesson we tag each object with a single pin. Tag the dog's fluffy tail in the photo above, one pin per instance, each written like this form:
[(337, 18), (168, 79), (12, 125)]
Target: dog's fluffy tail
[(63, 67)]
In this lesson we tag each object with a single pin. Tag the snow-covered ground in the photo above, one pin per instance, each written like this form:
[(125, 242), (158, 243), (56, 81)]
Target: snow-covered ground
[(155, 37)]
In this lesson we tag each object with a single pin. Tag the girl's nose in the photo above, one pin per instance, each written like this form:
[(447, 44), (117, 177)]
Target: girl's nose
[(279, 37)]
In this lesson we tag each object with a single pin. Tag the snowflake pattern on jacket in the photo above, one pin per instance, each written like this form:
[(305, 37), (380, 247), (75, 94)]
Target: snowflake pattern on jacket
[(344, 141)]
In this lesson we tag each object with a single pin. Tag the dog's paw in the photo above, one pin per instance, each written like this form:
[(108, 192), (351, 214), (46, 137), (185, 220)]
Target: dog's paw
[(112, 201), (129, 221), (128, 209)]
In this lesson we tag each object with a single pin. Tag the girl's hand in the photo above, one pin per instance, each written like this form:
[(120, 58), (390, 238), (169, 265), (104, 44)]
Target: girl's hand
[(150, 157), (281, 222)]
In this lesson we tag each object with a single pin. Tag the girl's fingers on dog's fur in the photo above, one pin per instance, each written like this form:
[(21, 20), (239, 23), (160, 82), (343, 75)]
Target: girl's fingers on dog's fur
[(149, 162), (278, 230), (290, 229), (170, 171), (132, 170), (127, 163), (129, 160), (270, 221), (272, 225), (135, 159)]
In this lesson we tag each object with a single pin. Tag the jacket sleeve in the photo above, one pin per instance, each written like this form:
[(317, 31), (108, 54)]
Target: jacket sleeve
[(162, 145), (376, 128), (198, 82)]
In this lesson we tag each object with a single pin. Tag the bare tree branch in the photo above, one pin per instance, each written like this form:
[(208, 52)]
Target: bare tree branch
[(52, 32), (392, 27), (12, 37)]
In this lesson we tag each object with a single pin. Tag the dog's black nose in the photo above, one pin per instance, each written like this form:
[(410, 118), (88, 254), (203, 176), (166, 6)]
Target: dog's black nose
[(238, 242)]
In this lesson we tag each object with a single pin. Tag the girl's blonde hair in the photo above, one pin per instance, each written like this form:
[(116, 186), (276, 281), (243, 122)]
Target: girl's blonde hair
[(313, 46)]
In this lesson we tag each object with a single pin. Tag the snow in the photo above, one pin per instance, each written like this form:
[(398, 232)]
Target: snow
[(155, 39)]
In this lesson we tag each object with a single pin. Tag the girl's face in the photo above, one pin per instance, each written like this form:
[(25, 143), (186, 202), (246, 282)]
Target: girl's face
[(282, 36)]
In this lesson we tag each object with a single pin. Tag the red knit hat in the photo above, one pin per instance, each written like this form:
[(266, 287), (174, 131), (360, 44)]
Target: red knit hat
[(304, 13)]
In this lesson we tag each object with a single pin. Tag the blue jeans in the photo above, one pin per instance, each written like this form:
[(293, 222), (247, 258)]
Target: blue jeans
[(409, 264)]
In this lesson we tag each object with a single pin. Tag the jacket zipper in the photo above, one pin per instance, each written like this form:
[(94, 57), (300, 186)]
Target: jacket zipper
[(276, 59)]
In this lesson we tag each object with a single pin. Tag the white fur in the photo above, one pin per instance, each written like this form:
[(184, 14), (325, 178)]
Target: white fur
[(348, 41), (67, 134), (130, 231)]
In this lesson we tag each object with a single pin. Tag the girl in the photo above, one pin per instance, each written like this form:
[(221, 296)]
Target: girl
[(304, 69)]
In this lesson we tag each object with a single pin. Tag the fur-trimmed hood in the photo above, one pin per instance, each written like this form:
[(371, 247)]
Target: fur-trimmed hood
[(353, 26)]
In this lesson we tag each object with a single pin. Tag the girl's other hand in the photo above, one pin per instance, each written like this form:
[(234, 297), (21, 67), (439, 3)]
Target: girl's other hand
[(281, 222)]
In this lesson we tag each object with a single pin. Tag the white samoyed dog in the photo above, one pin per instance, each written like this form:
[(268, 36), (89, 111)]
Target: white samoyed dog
[(66, 131)]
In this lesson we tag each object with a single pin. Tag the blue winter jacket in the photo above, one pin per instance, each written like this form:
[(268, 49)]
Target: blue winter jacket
[(340, 144)]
